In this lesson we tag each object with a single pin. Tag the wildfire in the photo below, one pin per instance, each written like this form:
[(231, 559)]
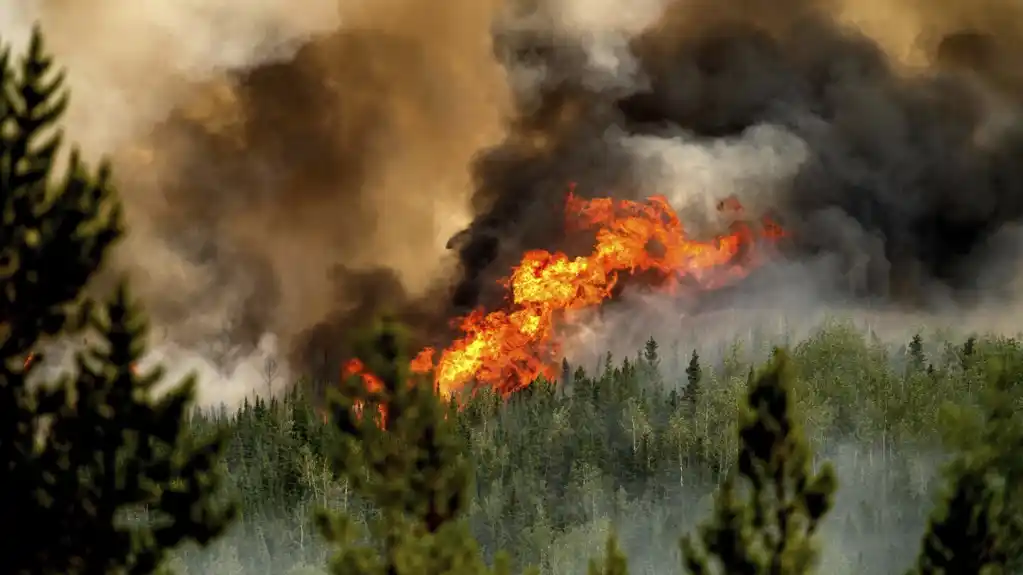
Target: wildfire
[(355, 367), (508, 349)]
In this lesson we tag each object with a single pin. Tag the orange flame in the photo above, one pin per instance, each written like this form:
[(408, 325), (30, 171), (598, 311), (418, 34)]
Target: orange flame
[(355, 367), (510, 349)]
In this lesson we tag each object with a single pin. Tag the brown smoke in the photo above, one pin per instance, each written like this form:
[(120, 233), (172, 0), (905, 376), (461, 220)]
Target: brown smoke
[(267, 151), (292, 166), (352, 149)]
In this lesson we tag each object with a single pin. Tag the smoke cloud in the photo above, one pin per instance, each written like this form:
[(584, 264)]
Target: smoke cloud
[(282, 164), (892, 156), (290, 169)]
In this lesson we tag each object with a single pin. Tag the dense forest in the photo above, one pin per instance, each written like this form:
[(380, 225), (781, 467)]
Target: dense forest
[(839, 454)]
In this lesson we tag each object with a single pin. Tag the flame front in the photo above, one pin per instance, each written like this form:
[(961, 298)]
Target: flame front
[(509, 349)]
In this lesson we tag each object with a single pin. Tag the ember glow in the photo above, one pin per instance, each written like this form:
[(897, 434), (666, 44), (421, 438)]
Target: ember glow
[(355, 368), (508, 349)]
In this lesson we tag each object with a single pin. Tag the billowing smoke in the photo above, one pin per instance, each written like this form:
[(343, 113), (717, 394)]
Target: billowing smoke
[(900, 172), (284, 165), (291, 168)]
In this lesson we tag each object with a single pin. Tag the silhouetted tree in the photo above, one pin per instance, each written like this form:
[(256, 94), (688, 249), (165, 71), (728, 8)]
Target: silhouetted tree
[(81, 456), (694, 373), (969, 348), (917, 360), (413, 469), (765, 517), (976, 529)]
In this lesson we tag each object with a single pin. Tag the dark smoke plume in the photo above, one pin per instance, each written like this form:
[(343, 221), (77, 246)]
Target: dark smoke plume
[(318, 155), (911, 176)]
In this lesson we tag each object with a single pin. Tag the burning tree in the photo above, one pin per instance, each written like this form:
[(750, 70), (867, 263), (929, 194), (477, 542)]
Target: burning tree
[(401, 451), (82, 455)]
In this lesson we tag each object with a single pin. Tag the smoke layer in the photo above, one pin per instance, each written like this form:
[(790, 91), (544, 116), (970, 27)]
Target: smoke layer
[(285, 166), (292, 168), (893, 154)]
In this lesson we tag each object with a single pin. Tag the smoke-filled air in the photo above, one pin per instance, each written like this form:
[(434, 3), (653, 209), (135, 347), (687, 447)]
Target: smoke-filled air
[(592, 220), (511, 178)]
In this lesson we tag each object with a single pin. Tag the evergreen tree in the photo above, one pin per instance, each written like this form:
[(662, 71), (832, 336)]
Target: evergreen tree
[(650, 352), (977, 527), (917, 360), (413, 469), (652, 363), (694, 373), (765, 523), (969, 348), (83, 454)]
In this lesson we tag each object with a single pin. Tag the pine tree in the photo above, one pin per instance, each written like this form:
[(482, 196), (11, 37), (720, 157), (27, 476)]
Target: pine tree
[(83, 454), (965, 535), (650, 352), (652, 363), (694, 373), (976, 529), (969, 349), (411, 467), (917, 360), (765, 517)]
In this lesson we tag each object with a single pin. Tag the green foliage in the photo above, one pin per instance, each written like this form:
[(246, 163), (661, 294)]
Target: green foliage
[(553, 474), (614, 563), (694, 373), (917, 359), (409, 464), (84, 454), (977, 526), (771, 529)]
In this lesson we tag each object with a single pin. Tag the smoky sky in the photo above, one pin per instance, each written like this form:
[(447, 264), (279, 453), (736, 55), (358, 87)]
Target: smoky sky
[(908, 180), (910, 177), (302, 188)]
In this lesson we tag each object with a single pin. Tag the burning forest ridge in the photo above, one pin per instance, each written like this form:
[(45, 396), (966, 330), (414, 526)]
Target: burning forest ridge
[(507, 349), (383, 166)]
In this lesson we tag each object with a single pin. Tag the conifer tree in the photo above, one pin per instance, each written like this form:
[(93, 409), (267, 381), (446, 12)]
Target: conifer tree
[(766, 515), (977, 529), (652, 362), (694, 373), (650, 352), (411, 466), (968, 351), (917, 360), (81, 454)]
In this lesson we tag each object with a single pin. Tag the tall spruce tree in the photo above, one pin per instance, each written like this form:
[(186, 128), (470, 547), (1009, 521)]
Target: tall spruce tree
[(79, 455), (766, 515), (977, 527), (694, 374), (400, 450), (917, 359)]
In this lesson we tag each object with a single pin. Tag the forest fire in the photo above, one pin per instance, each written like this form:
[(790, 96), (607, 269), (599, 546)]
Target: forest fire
[(355, 367), (508, 349)]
